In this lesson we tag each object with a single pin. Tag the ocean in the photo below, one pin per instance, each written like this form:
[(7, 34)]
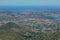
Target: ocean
[(33, 8)]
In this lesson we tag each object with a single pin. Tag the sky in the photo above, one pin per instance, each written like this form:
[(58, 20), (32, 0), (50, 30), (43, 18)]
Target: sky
[(30, 2)]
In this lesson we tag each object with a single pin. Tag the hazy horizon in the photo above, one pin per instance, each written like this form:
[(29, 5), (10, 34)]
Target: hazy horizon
[(28, 7), (29, 4)]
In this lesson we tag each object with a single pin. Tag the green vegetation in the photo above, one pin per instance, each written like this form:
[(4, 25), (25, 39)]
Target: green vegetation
[(12, 31)]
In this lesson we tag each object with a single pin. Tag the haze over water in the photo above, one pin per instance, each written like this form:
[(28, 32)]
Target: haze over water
[(29, 8)]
